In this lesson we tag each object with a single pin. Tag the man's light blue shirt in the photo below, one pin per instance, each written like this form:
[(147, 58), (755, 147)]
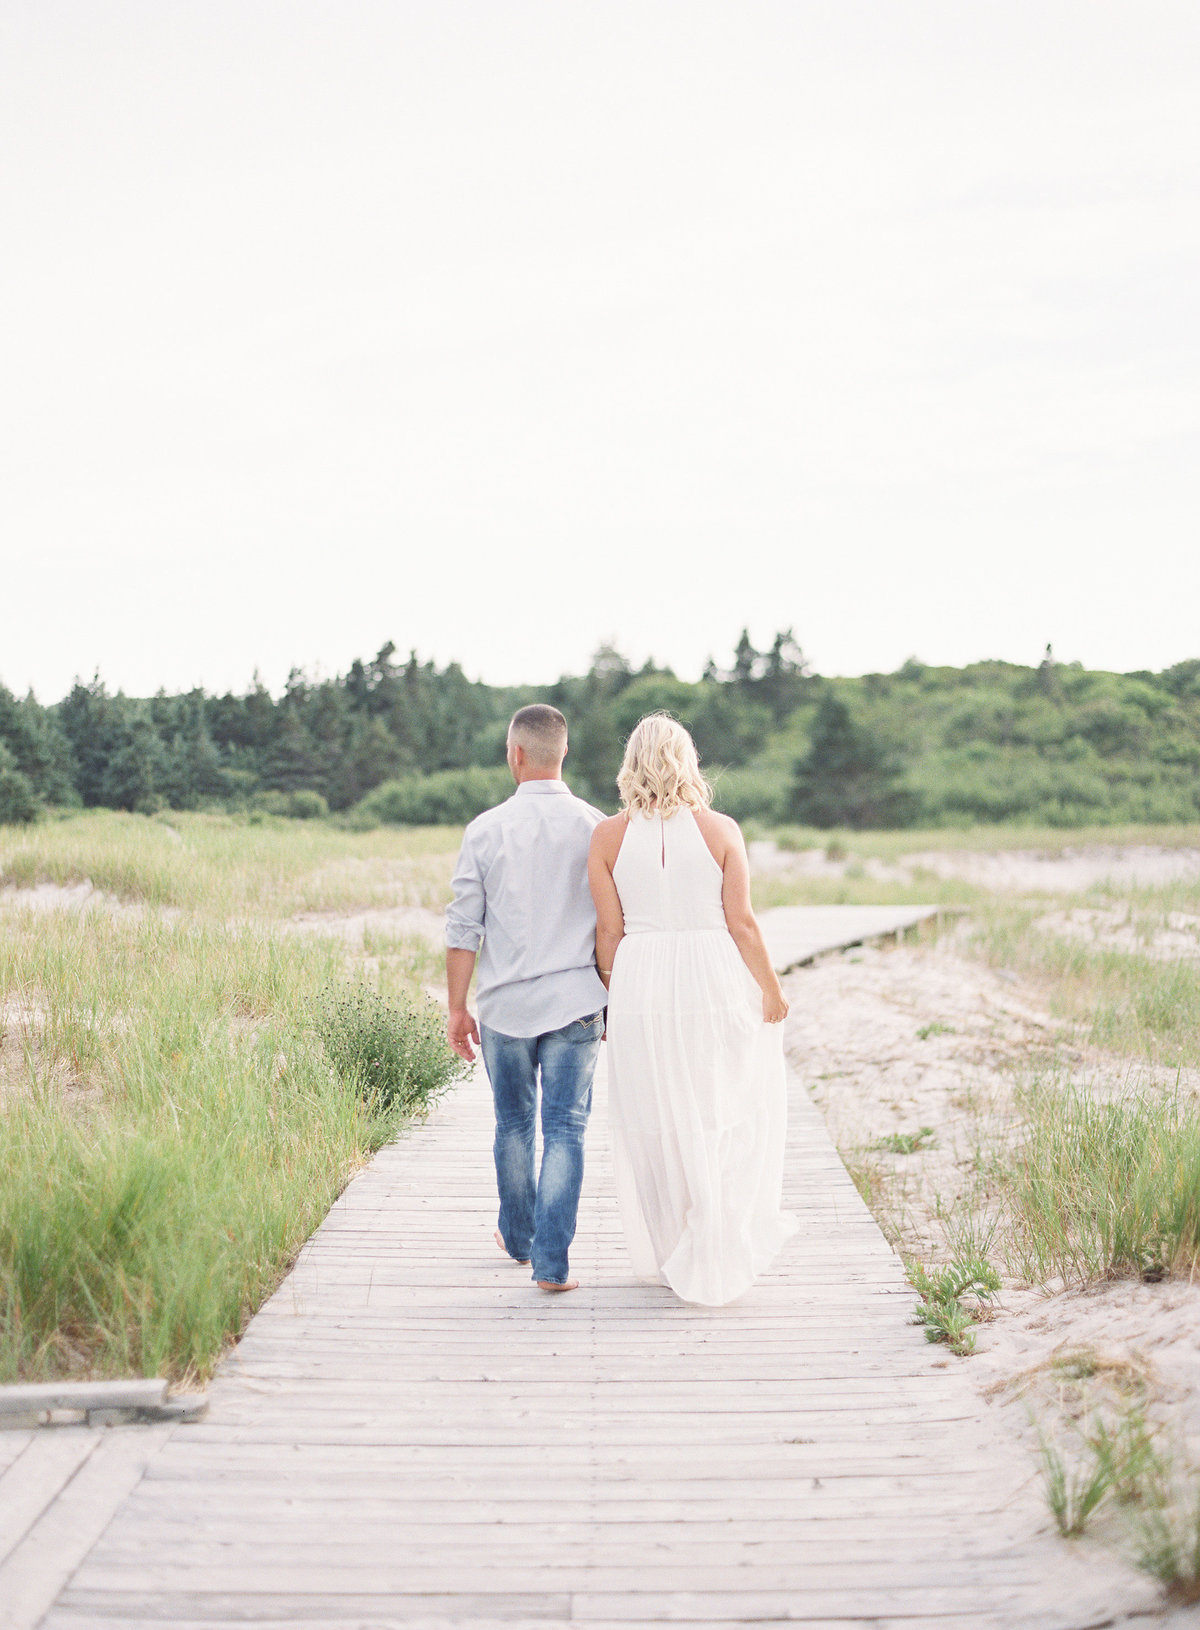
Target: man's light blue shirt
[(521, 899)]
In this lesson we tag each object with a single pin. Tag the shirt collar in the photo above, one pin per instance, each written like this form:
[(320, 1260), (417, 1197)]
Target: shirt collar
[(539, 787)]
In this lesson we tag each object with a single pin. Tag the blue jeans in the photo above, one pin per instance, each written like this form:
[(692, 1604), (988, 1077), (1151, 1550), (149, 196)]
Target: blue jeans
[(537, 1218)]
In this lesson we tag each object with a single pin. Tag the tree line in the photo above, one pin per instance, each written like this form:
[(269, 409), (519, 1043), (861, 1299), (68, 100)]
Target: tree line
[(405, 740)]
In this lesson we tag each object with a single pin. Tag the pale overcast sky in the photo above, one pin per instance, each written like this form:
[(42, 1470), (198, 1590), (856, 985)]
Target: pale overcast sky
[(500, 329)]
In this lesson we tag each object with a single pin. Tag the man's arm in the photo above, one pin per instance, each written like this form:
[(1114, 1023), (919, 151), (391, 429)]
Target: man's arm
[(461, 1029), (464, 936)]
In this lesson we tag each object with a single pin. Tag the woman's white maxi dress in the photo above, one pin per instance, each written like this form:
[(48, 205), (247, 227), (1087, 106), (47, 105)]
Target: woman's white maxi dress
[(697, 1086)]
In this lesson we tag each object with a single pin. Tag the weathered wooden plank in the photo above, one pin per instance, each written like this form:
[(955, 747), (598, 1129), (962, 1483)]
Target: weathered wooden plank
[(39, 1565), (376, 1523), (34, 1478), (12, 1446), (209, 1572), (423, 1562)]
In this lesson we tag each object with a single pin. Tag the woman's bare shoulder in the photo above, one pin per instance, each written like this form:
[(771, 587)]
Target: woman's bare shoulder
[(607, 834), (711, 821)]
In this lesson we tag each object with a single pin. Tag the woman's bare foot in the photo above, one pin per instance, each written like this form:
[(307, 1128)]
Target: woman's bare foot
[(499, 1239), (548, 1284)]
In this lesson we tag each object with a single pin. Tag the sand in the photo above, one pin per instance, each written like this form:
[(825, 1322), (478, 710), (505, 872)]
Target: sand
[(892, 1040), (1073, 871)]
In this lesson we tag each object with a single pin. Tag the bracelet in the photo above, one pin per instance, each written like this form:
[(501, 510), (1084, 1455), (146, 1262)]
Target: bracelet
[(603, 970)]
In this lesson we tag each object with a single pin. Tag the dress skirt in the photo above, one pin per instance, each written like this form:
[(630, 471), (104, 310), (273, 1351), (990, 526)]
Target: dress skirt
[(698, 1096)]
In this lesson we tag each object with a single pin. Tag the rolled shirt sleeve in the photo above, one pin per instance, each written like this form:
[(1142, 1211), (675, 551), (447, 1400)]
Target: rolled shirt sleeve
[(465, 913)]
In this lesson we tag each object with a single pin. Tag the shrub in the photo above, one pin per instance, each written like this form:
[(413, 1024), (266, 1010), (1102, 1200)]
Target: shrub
[(395, 1055), (446, 798), (300, 805)]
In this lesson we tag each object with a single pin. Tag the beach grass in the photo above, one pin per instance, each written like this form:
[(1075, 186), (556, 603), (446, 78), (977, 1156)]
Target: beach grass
[(1042, 840), (174, 1126), (231, 865), (1103, 1190)]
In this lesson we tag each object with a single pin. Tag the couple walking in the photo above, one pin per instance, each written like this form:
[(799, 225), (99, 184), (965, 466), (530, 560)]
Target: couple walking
[(646, 914)]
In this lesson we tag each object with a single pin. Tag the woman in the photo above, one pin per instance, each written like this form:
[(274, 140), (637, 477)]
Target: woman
[(695, 1042)]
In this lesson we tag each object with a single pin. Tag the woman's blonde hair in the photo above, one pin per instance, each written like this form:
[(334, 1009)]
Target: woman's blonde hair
[(661, 772)]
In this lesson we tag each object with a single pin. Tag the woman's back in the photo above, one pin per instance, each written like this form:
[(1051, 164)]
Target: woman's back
[(666, 876)]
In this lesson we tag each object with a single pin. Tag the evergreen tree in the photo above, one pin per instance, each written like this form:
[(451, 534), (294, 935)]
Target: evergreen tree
[(87, 717), (134, 768), (846, 778), (17, 801), (191, 772), (785, 677), (746, 663), (1048, 681), (39, 748)]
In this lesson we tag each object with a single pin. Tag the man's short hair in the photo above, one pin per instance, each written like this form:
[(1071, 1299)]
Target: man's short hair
[(542, 731)]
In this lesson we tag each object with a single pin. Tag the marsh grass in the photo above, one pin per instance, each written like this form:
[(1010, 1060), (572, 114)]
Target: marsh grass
[(232, 866), (1144, 1006), (1113, 1456), (1167, 1538), (404, 960), (1100, 1190), (1045, 840), (1106, 1451), (172, 1127), (925, 888)]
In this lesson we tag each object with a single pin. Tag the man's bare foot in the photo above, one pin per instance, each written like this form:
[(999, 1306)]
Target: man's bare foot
[(499, 1239), (548, 1284)]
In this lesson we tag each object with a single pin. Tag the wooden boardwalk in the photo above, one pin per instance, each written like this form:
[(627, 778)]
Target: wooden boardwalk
[(797, 934), (411, 1434)]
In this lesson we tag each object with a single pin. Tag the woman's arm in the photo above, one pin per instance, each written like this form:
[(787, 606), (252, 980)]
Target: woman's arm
[(610, 919), (743, 925)]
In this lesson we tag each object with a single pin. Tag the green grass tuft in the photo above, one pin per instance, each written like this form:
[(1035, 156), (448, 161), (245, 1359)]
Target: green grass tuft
[(907, 1143), (941, 1308)]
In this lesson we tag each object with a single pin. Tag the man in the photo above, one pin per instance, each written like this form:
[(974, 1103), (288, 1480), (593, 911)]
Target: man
[(521, 901)]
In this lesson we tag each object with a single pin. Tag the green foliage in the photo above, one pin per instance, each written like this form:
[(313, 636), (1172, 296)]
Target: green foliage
[(447, 798), (941, 1309), (935, 1028), (750, 795), (1055, 745), (32, 742), (17, 802), (301, 805), (394, 1054)]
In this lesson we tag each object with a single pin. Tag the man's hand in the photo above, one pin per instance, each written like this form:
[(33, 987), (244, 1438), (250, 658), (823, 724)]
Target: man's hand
[(461, 1031)]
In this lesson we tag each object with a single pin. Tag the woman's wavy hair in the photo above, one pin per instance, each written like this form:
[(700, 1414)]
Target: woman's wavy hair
[(661, 772)]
